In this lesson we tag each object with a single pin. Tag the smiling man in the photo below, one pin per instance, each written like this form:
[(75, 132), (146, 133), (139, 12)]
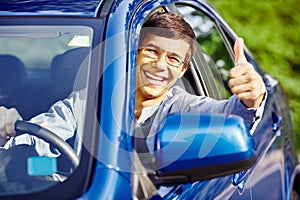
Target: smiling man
[(165, 50), (167, 44), (159, 66)]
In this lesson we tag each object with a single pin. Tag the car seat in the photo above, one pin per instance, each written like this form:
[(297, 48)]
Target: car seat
[(65, 69), (12, 77)]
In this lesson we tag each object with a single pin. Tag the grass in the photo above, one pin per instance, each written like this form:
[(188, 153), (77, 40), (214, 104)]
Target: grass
[(271, 30)]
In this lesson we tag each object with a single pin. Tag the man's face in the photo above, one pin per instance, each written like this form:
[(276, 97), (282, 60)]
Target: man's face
[(160, 63)]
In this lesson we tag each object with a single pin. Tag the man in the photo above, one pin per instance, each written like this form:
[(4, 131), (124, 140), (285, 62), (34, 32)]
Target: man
[(163, 56)]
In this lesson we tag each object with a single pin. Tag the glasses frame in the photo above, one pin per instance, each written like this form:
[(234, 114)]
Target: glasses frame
[(157, 53)]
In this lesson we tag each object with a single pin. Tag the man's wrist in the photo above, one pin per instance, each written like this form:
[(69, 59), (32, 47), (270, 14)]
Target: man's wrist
[(256, 103)]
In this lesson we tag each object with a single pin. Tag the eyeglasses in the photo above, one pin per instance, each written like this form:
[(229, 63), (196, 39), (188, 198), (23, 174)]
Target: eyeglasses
[(155, 53)]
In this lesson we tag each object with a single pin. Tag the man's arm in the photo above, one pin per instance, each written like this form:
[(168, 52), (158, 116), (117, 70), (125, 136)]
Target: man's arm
[(59, 119)]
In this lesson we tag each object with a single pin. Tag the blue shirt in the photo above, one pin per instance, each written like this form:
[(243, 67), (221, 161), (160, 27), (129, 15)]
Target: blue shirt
[(178, 100)]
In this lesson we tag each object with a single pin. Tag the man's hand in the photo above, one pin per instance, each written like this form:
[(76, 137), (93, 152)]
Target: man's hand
[(244, 81), (8, 118)]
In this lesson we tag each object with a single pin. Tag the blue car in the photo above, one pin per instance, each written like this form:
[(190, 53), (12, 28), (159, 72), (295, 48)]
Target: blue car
[(50, 49)]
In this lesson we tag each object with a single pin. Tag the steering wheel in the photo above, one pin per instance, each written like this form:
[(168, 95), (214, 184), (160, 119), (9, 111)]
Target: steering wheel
[(63, 147)]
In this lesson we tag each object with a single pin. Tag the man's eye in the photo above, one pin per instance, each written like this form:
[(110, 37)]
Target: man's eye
[(152, 51), (174, 60)]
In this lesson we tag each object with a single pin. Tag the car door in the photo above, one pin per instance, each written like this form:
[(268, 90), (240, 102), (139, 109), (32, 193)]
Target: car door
[(216, 46)]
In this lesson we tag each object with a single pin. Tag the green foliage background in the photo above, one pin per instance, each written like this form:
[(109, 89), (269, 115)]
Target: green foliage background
[(271, 30)]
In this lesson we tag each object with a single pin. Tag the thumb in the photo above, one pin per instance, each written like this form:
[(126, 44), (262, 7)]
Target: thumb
[(239, 56)]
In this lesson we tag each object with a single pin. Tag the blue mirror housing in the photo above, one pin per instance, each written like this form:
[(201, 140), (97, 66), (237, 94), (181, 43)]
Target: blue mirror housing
[(192, 146)]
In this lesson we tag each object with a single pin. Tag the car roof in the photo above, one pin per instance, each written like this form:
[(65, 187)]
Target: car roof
[(79, 8), (82, 8)]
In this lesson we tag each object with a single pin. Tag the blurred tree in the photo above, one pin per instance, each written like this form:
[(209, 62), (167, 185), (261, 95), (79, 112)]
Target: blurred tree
[(271, 30)]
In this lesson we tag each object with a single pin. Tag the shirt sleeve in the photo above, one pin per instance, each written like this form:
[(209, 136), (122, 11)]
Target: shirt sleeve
[(258, 114), (252, 116), (60, 120), (192, 103)]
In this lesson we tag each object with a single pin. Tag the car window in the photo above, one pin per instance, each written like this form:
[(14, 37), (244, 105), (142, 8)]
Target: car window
[(40, 65), (40, 61), (212, 49)]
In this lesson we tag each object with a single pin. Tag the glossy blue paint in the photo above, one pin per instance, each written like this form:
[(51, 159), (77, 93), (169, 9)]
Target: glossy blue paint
[(108, 184), (80, 8), (213, 139), (113, 158), (111, 178)]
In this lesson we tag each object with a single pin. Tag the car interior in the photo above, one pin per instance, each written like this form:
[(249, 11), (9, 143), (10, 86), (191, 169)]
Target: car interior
[(33, 91)]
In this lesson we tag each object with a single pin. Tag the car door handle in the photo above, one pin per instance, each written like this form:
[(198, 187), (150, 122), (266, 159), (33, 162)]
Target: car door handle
[(276, 123), (238, 179)]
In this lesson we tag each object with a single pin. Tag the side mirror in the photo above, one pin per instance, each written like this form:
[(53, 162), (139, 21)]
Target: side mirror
[(193, 146)]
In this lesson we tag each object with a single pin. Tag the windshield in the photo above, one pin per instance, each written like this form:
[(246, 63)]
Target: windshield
[(42, 66)]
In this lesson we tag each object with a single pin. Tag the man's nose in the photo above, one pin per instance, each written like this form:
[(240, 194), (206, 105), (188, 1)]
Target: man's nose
[(161, 63), (162, 68)]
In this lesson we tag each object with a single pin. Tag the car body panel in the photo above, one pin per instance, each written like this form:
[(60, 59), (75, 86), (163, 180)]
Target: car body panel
[(109, 175), (52, 8)]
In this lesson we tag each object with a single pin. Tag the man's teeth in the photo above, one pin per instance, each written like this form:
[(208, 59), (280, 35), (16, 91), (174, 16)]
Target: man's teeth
[(157, 78)]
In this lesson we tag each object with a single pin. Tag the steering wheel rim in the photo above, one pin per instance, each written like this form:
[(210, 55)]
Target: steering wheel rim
[(63, 147)]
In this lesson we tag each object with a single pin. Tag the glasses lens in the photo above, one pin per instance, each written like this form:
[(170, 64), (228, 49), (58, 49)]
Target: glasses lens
[(151, 53), (173, 61)]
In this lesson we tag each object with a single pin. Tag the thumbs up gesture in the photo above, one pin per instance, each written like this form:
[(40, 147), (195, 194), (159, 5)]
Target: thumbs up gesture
[(244, 81)]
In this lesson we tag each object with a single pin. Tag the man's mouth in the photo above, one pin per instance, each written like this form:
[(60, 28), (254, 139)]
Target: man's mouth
[(155, 80)]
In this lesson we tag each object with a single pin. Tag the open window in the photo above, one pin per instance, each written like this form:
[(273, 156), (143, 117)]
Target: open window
[(214, 56)]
